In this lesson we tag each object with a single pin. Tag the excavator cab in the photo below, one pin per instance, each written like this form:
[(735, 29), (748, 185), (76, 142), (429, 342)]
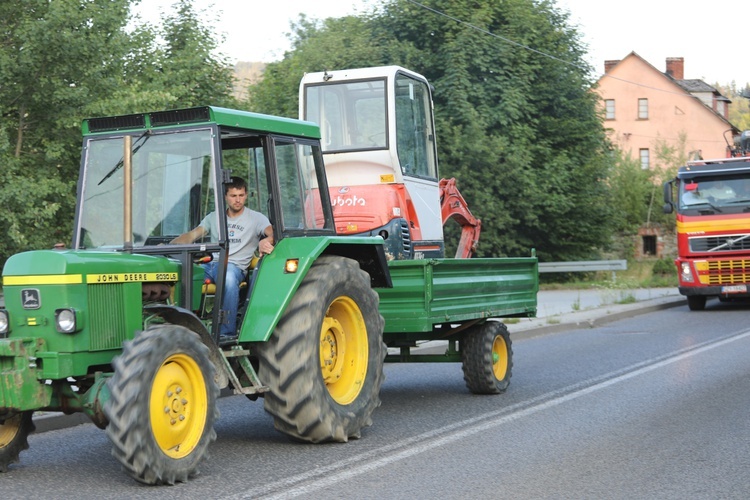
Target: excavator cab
[(378, 142)]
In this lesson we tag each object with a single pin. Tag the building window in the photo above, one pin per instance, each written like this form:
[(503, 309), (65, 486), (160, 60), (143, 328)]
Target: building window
[(609, 109), (643, 109), (644, 159)]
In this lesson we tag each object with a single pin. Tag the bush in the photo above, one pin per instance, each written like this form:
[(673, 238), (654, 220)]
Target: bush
[(664, 267)]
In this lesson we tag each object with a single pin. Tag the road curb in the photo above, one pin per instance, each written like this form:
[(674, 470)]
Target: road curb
[(596, 320)]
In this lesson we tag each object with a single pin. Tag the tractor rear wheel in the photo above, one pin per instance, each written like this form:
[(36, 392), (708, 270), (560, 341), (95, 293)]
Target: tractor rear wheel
[(162, 406), (487, 358), (324, 362), (13, 433)]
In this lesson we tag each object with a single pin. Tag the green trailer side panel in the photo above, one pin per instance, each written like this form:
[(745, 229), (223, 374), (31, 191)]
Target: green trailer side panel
[(431, 292)]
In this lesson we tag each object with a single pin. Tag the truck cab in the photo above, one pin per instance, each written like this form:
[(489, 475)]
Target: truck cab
[(711, 199)]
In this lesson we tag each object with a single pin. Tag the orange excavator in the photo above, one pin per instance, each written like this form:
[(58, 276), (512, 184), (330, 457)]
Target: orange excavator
[(378, 139)]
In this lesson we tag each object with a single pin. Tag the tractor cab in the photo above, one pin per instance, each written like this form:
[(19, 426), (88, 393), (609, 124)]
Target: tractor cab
[(148, 178)]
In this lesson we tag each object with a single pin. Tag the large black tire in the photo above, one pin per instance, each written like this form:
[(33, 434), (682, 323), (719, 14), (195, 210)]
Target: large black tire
[(324, 362), (487, 358), (13, 433), (696, 302), (162, 405)]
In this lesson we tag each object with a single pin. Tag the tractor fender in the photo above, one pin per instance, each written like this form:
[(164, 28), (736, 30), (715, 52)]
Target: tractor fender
[(184, 317)]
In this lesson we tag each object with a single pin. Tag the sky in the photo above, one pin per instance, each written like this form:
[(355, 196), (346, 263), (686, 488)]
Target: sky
[(255, 30)]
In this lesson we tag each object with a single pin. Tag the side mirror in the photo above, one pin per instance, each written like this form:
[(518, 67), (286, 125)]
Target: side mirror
[(668, 208)]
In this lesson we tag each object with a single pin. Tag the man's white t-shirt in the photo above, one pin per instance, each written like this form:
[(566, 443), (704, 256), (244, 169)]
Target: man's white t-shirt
[(244, 232)]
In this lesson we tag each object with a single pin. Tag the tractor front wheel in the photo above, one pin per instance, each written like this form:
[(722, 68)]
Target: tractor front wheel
[(162, 405), (324, 362), (487, 358), (13, 433)]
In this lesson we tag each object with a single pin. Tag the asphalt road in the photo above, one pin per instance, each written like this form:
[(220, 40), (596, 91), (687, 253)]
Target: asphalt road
[(652, 405)]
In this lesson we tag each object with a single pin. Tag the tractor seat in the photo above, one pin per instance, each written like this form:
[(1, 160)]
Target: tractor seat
[(209, 287)]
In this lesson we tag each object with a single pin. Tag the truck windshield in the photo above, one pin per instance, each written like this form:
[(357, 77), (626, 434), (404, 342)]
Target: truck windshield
[(711, 195), (172, 188)]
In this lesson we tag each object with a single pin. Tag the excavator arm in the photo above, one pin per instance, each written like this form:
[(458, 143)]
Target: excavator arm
[(453, 205)]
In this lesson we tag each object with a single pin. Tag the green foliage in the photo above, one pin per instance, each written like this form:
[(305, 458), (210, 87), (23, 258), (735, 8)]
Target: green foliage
[(631, 190), (664, 267), (739, 110), (61, 62), (519, 129)]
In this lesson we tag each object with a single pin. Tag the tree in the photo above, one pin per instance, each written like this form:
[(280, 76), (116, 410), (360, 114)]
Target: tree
[(739, 109), (56, 57), (61, 62), (516, 121)]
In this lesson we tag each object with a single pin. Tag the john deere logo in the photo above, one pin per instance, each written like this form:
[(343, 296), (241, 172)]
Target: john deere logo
[(30, 298)]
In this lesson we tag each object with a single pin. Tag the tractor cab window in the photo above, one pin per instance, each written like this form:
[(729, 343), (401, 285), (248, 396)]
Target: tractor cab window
[(414, 128), (172, 188), (352, 115), (302, 206), (249, 163)]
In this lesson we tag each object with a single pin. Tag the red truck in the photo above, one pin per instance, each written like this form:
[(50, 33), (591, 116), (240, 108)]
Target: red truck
[(711, 199)]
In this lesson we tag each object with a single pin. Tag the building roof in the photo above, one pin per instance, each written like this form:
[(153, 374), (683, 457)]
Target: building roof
[(691, 86)]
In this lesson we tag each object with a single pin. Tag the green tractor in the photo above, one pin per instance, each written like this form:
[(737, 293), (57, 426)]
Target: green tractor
[(123, 327)]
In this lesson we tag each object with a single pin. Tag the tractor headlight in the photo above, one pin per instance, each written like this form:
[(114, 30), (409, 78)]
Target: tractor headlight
[(65, 320), (4, 323)]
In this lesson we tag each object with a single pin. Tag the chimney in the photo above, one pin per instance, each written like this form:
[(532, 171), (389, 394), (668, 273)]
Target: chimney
[(608, 65), (676, 67)]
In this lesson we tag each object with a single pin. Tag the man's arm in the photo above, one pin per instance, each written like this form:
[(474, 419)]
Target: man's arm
[(190, 236)]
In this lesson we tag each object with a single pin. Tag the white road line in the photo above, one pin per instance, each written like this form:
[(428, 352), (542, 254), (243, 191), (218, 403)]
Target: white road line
[(346, 469)]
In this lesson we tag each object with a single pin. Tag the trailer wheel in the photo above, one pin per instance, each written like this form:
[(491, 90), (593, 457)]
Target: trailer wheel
[(487, 358), (162, 405), (696, 302), (13, 433), (324, 362)]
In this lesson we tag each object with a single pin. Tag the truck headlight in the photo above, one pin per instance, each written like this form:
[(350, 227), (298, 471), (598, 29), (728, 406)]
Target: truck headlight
[(686, 274), (65, 320), (4, 323)]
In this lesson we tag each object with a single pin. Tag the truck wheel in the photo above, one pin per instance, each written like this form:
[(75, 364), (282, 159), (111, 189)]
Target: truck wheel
[(696, 302), (13, 433), (324, 362), (487, 358), (162, 405)]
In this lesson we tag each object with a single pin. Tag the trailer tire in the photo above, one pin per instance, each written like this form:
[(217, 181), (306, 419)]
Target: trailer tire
[(696, 302), (158, 437), (324, 362), (14, 432), (487, 358)]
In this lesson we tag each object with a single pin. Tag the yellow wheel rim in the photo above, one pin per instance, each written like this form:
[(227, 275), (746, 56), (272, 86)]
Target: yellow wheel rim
[(9, 430), (499, 357), (343, 350), (179, 405)]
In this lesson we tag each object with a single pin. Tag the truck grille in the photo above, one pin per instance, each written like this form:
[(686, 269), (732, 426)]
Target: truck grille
[(724, 272), (724, 243), (106, 316)]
